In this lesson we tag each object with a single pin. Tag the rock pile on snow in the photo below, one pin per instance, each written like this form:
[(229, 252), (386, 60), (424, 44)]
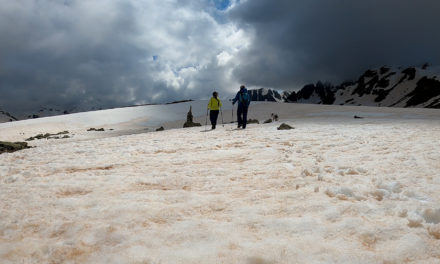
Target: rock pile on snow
[(284, 126), (12, 146), (50, 136), (189, 120)]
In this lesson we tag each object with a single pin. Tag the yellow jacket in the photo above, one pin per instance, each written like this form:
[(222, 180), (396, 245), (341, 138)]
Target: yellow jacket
[(214, 104)]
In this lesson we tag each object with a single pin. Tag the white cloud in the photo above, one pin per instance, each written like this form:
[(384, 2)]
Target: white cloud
[(108, 48)]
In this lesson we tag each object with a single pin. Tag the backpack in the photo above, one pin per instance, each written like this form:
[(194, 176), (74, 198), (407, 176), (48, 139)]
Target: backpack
[(244, 98)]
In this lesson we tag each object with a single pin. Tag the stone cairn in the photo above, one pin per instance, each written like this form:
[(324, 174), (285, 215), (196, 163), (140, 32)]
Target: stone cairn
[(189, 120)]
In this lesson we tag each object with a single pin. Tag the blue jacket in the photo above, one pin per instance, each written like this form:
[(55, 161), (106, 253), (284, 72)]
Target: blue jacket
[(242, 97)]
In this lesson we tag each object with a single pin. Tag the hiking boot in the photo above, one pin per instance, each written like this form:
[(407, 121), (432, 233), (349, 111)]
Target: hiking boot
[(239, 125)]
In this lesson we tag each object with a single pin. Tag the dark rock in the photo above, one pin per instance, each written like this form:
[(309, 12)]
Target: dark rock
[(384, 70), (410, 73), (268, 121), (253, 121), (285, 126), (364, 87), (383, 83), (12, 146), (306, 91), (47, 136), (95, 129), (292, 98), (425, 90), (160, 129), (324, 91), (358, 117), (370, 73)]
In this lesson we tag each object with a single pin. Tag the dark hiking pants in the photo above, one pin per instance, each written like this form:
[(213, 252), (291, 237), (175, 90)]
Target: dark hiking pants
[(242, 115), (213, 115)]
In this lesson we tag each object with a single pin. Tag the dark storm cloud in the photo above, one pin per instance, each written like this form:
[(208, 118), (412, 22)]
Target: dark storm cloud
[(75, 54), (49, 57), (296, 42), (81, 54)]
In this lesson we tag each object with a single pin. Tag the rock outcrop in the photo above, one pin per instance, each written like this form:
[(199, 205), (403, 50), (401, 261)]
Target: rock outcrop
[(12, 146)]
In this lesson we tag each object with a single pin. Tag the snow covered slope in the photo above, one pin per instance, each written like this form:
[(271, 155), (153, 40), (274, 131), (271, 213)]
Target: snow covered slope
[(122, 120), (410, 87), (333, 190), (6, 117), (395, 87)]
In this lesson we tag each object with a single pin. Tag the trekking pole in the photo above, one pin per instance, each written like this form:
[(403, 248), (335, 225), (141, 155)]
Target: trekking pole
[(221, 113), (206, 120), (232, 113)]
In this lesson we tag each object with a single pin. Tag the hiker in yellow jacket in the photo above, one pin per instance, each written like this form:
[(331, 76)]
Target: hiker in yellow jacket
[(214, 106)]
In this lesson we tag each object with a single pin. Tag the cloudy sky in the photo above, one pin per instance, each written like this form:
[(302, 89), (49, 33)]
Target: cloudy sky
[(107, 53)]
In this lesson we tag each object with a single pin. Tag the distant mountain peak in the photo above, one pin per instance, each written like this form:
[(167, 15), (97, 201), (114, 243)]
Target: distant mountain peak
[(384, 86), (6, 117), (269, 95)]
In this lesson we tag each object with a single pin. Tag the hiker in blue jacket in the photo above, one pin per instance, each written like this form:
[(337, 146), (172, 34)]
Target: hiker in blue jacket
[(244, 100)]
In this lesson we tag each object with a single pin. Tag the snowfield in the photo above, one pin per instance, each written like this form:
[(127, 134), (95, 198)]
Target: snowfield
[(333, 190)]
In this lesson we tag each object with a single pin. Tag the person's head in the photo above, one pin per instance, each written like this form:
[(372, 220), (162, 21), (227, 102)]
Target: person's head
[(242, 87), (215, 94)]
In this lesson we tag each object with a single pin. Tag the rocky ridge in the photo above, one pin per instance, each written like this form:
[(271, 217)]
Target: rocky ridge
[(385, 86)]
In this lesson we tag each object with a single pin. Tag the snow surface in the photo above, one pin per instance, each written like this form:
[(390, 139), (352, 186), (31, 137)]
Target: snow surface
[(333, 190)]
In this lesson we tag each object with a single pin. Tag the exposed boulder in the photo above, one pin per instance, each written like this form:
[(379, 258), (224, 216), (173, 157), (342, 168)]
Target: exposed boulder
[(12, 146), (160, 129), (49, 136), (284, 126), (253, 121), (96, 129)]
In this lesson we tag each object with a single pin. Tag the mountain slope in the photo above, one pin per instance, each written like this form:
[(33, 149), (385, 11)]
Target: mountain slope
[(6, 117), (410, 87), (268, 95)]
